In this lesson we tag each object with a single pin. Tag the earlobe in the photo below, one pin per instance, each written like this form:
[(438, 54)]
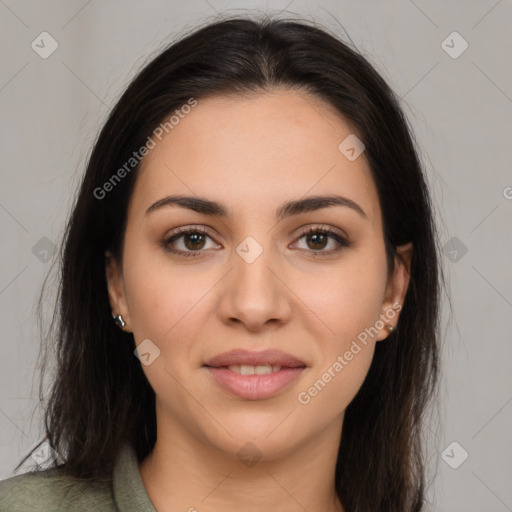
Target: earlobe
[(115, 289)]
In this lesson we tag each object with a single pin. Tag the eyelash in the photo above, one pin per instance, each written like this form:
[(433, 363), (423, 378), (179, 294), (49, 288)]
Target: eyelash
[(316, 230)]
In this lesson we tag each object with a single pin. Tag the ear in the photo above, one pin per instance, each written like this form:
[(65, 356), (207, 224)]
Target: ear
[(116, 291), (396, 289)]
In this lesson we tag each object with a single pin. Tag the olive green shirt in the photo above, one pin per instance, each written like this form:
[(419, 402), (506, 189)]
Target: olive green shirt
[(47, 490)]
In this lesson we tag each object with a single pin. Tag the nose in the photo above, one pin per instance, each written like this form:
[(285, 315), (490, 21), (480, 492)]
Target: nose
[(254, 294)]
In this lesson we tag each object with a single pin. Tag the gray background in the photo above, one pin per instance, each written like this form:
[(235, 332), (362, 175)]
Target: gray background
[(460, 109)]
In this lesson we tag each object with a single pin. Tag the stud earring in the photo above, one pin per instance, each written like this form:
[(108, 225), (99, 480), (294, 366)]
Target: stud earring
[(390, 328), (118, 319)]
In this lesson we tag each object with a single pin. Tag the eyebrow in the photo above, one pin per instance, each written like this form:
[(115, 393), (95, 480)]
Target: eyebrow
[(288, 209)]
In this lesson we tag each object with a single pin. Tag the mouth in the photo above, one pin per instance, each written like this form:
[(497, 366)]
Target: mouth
[(248, 369), (254, 375)]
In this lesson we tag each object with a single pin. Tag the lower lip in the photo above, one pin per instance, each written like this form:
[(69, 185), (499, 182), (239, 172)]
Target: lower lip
[(254, 387)]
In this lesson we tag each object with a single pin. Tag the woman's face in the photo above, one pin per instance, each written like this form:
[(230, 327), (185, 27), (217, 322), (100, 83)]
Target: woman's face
[(250, 279)]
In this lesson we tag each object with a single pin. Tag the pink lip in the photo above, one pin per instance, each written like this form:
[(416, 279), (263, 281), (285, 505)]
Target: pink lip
[(240, 356), (254, 387)]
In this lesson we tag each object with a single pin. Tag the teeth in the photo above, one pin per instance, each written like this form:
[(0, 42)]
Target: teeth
[(247, 369)]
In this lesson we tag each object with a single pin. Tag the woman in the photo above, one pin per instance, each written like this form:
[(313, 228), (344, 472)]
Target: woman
[(249, 290)]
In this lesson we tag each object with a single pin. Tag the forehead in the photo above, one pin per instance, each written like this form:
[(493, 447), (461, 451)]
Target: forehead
[(259, 150)]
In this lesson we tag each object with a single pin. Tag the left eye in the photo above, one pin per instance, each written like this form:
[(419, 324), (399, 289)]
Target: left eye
[(318, 240)]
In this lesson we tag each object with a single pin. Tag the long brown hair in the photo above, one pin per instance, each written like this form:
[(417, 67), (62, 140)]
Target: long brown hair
[(100, 396)]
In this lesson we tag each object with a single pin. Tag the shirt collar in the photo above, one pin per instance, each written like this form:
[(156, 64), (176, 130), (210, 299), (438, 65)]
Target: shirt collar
[(129, 491)]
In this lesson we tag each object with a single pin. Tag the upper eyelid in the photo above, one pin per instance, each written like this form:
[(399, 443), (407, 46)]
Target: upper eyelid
[(301, 230), (323, 227)]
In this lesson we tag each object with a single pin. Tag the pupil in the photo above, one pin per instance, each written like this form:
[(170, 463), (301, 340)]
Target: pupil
[(315, 237), (196, 239)]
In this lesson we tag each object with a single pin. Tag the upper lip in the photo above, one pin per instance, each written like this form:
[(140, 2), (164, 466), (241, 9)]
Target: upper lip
[(250, 357)]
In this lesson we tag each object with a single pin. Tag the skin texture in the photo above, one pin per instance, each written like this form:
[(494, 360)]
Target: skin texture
[(252, 154)]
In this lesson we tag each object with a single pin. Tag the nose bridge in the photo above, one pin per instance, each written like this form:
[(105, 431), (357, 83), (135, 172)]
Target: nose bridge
[(251, 274)]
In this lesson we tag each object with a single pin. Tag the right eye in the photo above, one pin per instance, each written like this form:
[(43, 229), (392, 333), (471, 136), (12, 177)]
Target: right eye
[(192, 241)]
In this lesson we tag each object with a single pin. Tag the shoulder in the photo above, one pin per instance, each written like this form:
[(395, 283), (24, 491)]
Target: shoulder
[(50, 490)]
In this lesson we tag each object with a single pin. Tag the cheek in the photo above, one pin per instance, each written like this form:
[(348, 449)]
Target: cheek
[(162, 298), (347, 298), (348, 303), (168, 307), (327, 394)]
